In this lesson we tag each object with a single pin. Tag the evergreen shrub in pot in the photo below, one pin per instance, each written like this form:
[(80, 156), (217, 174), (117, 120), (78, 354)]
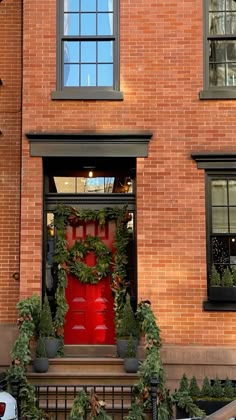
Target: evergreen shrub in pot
[(52, 343), (222, 287), (131, 362), (126, 325), (209, 398), (40, 362)]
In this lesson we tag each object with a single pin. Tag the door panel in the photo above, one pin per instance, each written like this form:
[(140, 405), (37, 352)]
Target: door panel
[(90, 318)]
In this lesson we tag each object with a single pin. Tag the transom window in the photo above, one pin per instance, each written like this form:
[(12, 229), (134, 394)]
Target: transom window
[(88, 46)]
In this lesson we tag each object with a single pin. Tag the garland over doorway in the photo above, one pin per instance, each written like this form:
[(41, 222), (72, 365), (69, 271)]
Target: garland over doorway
[(70, 260)]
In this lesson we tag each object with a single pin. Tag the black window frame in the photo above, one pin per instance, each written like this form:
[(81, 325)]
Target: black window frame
[(217, 166), (211, 92), (215, 176), (89, 93)]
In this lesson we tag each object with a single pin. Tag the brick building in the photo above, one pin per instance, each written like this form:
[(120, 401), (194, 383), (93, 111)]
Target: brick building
[(143, 93)]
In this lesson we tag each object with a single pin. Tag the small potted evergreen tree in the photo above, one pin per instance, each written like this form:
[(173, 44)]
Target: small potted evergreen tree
[(213, 394), (40, 363), (126, 325), (131, 362), (222, 288), (47, 331)]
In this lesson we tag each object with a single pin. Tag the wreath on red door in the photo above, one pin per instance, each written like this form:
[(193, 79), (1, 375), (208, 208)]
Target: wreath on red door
[(77, 266), (71, 260)]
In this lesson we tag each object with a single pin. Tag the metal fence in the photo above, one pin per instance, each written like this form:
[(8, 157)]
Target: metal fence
[(57, 400)]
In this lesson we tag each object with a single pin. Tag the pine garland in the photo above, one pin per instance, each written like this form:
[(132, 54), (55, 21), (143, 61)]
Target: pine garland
[(85, 273), (70, 260)]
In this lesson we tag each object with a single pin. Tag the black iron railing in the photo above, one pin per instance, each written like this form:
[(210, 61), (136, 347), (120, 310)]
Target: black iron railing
[(57, 400)]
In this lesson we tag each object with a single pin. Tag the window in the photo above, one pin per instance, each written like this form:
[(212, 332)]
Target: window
[(220, 49), (221, 222), (220, 176), (87, 50)]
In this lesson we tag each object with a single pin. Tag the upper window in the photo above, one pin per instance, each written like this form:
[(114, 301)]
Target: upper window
[(220, 49), (87, 50)]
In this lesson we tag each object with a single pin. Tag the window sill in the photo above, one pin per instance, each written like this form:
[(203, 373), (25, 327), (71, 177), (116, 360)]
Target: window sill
[(73, 94), (227, 93), (219, 306)]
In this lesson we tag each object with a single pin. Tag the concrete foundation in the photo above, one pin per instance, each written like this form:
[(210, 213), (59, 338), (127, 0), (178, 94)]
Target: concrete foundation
[(8, 335)]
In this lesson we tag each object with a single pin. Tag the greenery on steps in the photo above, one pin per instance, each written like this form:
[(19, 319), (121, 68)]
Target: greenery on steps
[(28, 322), (83, 402), (29, 325)]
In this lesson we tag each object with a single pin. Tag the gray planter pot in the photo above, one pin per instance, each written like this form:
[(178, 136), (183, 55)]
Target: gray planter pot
[(41, 364), (131, 364), (52, 346), (121, 346)]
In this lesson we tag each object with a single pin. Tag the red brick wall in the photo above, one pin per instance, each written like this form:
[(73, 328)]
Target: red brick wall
[(161, 76), (10, 141)]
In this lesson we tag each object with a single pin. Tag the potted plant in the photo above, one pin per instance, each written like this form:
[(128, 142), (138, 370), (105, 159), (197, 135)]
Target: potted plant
[(185, 404), (222, 287), (40, 362), (131, 362), (215, 395), (52, 343), (126, 325), (212, 396)]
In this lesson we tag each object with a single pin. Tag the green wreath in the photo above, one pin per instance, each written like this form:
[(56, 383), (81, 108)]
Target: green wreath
[(85, 273)]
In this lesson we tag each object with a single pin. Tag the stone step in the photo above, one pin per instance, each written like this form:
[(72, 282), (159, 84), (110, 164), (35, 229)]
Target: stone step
[(90, 350), (84, 365), (83, 378)]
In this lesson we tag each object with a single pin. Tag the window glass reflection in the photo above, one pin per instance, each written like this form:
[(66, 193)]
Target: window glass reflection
[(88, 24), (88, 52), (217, 74), (105, 74), (232, 192), (219, 192), (71, 24), (231, 23), (88, 75), (88, 5), (105, 24), (220, 220), (105, 5), (105, 52), (230, 5), (71, 75), (217, 23), (231, 74), (217, 51), (73, 185), (71, 5), (220, 252), (71, 52), (232, 219), (230, 50)]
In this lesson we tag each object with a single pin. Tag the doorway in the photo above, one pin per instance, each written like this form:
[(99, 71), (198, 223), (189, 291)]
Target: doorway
[(88, 183)]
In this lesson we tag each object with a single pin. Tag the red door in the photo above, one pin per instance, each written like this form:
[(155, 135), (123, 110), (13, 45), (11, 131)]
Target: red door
[(90, 318)]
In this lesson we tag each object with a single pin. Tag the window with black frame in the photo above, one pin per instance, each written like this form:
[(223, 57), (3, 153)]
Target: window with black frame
[(221, 242), (220, 49), (88, 50), (220, 196)]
